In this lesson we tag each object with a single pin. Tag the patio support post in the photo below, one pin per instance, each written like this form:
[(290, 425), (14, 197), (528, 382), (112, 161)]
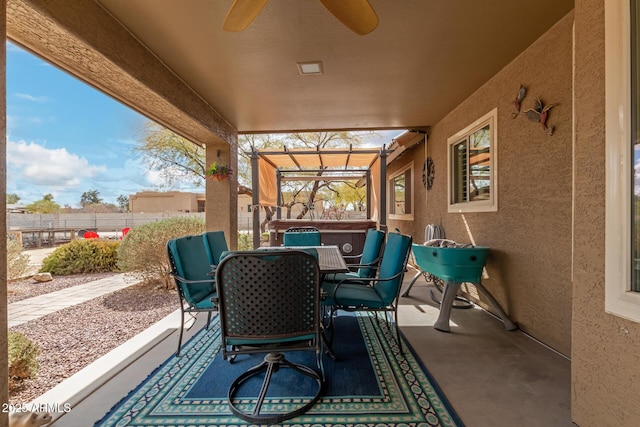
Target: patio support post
[(368, 183), (383, 189), (4, 322), (278, 194), (255, 198), (221, 197)]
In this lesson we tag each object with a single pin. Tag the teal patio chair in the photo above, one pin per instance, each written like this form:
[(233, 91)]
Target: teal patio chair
[(191, 264), (301, 236), (216, 245), (270, 303), (367, 262), (377, 294)]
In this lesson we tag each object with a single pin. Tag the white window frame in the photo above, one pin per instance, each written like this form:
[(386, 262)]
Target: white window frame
[(490, 205), (390, 197), (619, 299)]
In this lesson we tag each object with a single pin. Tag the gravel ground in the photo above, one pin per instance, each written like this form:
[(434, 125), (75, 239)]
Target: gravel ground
[(72, 338), (27, 288)]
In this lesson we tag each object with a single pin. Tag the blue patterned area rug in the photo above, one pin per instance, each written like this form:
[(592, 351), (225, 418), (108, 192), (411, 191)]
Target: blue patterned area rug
[(370, 383)]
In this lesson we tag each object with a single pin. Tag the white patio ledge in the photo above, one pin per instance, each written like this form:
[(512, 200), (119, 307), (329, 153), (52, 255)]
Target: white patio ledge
[(77, 387)]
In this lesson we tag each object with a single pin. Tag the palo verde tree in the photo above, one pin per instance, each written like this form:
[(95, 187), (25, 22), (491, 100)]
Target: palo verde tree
[(91, 197), (175, 158), (46, 205), (123, 203), (12, 198)]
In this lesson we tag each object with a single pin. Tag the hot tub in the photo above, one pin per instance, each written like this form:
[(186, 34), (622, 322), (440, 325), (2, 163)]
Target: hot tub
[(348, 235)]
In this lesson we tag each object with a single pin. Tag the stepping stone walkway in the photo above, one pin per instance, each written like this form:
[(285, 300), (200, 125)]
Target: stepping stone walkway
[(33, 308)]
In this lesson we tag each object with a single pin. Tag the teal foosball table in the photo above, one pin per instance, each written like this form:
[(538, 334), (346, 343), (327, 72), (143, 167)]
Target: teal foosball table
[(456, 266)]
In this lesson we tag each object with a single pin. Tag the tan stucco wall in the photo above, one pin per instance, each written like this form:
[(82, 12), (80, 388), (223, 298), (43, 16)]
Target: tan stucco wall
[(605, 348), (169, 201), (530, 235)]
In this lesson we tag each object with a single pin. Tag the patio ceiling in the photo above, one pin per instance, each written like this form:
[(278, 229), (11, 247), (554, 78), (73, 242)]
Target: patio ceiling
[(423, 59)]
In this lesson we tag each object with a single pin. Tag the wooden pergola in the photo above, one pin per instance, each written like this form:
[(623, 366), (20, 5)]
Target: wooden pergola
[(271, 168)]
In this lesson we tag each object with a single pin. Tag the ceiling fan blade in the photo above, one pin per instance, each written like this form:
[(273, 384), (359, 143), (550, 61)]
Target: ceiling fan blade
[(357, 15), (242, 13)]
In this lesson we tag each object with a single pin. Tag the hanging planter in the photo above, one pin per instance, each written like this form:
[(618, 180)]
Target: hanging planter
[(219, 172)]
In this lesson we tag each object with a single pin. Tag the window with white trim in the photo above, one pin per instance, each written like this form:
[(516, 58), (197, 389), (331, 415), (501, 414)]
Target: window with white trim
[(401, 194), (472, 167), (622, 290)]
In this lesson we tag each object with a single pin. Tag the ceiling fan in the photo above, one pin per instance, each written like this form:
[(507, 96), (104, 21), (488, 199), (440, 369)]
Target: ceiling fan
[(357, 15)]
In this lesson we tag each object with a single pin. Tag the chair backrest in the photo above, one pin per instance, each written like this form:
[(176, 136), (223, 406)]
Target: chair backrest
[(373, 243), (268, 296), (189, 259), (301, 236), (216, 244), (394, 261)]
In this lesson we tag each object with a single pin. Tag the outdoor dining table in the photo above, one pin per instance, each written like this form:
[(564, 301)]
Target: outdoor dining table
[(330, 259)]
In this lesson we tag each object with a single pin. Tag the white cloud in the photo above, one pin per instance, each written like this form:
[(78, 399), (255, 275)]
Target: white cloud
[(54, 168), (32, 98), (34, 170)]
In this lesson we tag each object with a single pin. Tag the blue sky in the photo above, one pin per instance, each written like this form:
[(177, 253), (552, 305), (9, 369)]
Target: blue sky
[(65, 138)]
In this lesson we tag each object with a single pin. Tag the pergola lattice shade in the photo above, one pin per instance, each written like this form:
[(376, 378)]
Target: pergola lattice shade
[(327, 159), (335, 158)]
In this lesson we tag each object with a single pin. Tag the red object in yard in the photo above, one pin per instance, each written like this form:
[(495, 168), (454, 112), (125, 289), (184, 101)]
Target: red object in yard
[(124, 232), (91, 235)]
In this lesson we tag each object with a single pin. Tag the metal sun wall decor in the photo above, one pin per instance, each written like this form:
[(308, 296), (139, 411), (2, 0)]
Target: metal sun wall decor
[(428, 173), (539, 113)]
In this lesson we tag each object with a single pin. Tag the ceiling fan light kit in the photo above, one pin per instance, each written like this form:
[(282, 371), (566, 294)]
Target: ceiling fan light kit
[(357, 15)]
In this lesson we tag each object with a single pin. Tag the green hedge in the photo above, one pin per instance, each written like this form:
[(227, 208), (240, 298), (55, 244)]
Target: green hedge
[(83, 256), (143, 251), (22, 357)]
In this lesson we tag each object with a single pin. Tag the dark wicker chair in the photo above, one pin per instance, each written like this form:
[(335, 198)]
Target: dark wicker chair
[(270, 303)]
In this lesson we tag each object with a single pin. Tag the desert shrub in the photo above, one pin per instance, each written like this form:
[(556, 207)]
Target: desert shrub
[(82, 256), (17, 262), (143, 251), (22, 357)]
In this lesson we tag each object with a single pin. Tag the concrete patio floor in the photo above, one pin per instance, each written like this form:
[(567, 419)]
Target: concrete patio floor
[(492, 377)]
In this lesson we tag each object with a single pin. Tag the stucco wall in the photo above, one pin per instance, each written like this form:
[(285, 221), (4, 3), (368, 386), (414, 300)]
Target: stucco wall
[(169, 201), (605, 349), (530, 235)]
